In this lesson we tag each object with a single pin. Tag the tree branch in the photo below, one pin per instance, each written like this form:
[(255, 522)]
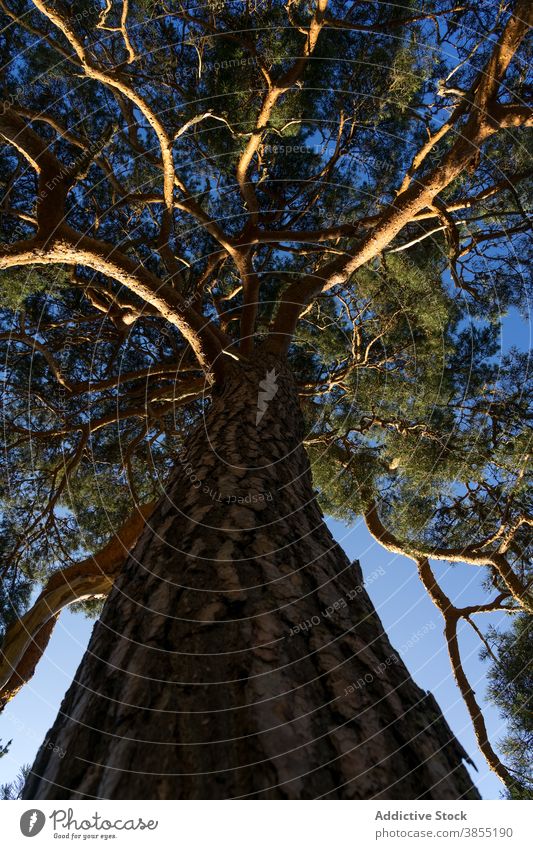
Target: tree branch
[(26, 639), (479, 126)]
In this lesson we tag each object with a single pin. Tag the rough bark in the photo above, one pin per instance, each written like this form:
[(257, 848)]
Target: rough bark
[(196, 683)]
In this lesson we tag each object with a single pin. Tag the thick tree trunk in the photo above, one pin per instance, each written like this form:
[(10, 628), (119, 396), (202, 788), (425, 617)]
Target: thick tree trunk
[(238, 654)]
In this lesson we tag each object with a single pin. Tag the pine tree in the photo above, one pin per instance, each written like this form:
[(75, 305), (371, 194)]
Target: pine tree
[(254, 261)]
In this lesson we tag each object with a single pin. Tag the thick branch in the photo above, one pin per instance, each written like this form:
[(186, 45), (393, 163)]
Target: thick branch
[(481, 124), (451, 617), (27, 638), (469, 554), (70, 247), (276, 90)]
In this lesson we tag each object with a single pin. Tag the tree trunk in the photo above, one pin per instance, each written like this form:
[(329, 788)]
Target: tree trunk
[(238, 654)]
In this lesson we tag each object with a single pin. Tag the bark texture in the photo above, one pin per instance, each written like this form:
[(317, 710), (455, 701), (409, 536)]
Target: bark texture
[(201, 680)]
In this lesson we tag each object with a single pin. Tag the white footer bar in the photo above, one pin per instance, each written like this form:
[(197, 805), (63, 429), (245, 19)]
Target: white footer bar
[(264, 825)]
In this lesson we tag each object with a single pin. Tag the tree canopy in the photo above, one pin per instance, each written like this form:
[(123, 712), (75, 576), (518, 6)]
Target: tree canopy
[(344, 184)]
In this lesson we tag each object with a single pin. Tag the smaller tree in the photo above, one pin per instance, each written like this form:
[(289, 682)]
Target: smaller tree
[(13, 789), (511, 689)]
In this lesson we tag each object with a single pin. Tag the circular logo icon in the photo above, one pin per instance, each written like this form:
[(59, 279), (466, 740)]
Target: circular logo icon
[(32, 822)]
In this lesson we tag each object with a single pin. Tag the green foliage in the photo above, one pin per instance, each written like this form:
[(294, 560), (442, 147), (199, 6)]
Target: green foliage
[(511, 691), (13, 789), (416, 356), (18, 284)]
